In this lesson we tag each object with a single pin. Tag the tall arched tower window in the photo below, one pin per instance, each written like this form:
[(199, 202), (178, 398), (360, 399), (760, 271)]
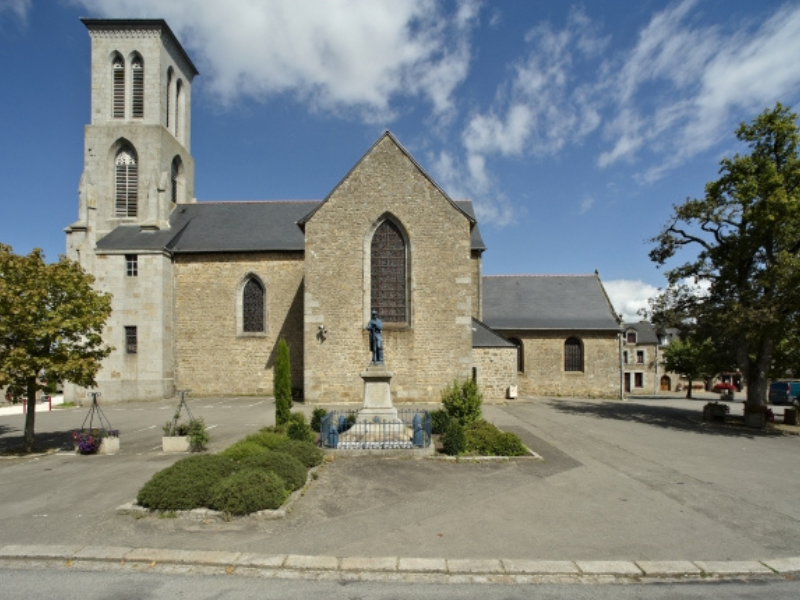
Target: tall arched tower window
[(137, 70), (179, 116), (573, 355), (126, 183), (168, 90), (253, 307), (176, 176), (118, 84), (388, 273)]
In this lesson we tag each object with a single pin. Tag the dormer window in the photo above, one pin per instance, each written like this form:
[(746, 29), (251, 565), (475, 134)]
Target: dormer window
[(631, 337)]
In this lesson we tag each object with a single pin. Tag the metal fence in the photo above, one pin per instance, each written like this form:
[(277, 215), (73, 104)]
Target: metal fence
[(343, 431)]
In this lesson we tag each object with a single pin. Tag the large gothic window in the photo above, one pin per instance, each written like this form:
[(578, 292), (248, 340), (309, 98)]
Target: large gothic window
[(126, 183), (388, 273), (573, 355), (137, 69), (253, 307), (118, 84)]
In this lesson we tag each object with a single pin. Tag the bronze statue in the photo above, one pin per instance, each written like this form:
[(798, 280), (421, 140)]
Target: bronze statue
[(375, 328)]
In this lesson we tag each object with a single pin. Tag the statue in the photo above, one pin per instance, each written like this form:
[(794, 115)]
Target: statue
[(375, 328)]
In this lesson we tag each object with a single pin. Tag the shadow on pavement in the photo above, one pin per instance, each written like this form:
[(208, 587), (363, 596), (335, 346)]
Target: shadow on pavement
[(11, 440), (667, 417)]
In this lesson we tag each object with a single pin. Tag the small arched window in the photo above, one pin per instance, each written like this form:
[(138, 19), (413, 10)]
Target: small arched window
[(176, 173), (388, 273), (573, 355), (118, 84), (126, 190), (169, 98), (253, 307), (179, 116), (137, 69)]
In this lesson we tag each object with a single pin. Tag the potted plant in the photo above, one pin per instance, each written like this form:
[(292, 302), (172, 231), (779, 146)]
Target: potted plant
[(715, 411), (96, 441), (184, 436)]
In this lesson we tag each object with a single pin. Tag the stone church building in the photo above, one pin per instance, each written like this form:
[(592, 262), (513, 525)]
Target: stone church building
[(203, 291)]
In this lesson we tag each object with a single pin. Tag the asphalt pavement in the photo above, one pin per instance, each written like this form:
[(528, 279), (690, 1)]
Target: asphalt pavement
[(637, 488)]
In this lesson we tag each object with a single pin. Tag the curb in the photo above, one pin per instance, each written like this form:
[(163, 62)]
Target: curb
[(432, 570)]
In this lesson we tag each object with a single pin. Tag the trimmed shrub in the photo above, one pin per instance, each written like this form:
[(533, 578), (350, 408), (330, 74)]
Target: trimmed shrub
[(283, 384), (439, 421), (316, 418), (248, 491), (266, 438), (298, 429), (185, 484), (453, 438), (306, 452), (288, 468), (484, 439), (198, 435), (242, 449), (462, 401)]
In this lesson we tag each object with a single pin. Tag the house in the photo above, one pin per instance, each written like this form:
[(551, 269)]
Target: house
[(643, 360), (203, 291)]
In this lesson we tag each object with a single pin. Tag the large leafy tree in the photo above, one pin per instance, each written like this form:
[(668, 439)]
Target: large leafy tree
[(693, 360), (51, 320), (746, 231)]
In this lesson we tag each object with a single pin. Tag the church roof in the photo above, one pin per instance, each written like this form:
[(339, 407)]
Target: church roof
[(231, 227), (547, 302), (484, 337)]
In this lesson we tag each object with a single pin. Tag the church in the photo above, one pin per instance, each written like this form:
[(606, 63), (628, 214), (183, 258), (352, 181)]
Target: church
[(203, 291)]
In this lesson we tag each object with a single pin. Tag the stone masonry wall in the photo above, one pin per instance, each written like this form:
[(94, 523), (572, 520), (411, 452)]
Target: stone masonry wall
[(213, 356), (496, 371)]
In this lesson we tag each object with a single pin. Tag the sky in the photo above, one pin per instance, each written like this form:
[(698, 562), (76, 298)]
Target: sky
[(573, 127)]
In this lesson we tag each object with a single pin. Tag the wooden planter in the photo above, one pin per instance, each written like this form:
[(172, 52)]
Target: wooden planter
[(178, 443)]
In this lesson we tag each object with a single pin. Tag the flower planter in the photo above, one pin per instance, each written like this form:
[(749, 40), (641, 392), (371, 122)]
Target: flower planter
[(175, 443), (108, 445), (715, 412), (790, 416)]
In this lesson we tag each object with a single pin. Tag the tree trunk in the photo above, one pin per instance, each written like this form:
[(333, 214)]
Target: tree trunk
[(689, 390), (30, 415), (758, 375)]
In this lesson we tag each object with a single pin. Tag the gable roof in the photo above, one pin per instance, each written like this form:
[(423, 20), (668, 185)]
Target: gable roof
[(388, 135), (645, 332), (547, 302), (230, 227)]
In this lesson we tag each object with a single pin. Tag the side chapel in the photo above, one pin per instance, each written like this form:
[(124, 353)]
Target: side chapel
[(203, 291)]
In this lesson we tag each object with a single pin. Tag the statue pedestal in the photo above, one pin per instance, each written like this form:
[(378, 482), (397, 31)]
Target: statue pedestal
[(377, 396)]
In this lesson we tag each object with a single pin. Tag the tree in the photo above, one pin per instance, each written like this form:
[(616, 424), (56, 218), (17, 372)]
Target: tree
[(747, 233), (692, 360), (283, 384), (51, 320)]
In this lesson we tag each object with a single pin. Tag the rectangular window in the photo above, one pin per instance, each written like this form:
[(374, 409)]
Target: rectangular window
[(625, 357), (631, 337), (131, 265), (638, 380), (131, 339), (640, 357)]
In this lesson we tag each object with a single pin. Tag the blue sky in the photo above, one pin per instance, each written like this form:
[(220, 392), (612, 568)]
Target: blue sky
[(574, 127)]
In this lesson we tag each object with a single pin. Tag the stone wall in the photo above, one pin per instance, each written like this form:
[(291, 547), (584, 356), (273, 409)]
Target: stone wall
[(544, 373), (496, 370), (213, 355), (435, 346)]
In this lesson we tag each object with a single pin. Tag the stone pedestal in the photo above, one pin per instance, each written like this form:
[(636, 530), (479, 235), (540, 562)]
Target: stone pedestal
[(377, 396)]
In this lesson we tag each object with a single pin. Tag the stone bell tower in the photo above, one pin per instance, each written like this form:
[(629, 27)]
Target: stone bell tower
[(137, 168)]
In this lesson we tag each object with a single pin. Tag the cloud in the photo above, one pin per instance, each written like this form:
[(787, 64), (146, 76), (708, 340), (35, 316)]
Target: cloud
[(628, 296), (586, 205), (350, 57), (18, 8)]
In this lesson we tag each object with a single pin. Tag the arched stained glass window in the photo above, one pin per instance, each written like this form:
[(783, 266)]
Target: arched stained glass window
[(573, 355), (253, 307), (137, 69), (126, 183), (118, 75), (388, 273)]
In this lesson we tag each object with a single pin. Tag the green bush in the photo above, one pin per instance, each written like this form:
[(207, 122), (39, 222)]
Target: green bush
[(298, 429), (242, 449), (453, 438), (293, 473), (306, 452), (484, 439), (462, 401), (198, 435), (316, 418), (283, 384), (266, 438), (439, 421), (248, 491), (185, 484)]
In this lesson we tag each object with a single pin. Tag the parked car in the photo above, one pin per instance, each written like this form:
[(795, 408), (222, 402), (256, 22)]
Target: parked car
[(784, 392)]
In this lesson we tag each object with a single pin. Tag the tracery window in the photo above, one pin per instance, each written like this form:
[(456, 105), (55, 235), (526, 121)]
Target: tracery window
[(137, 68), (118, 76), (573, 355), (388, 273), (126, 182), (253, 307)]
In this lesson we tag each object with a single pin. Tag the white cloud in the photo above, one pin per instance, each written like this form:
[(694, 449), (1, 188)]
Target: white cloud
[(586, 205), (344, 56), (628, 296), (19, 8)]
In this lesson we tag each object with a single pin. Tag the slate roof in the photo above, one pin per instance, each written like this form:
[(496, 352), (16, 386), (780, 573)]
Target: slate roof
[(484, 337), (645, 332), (547, 302), (231, 227)]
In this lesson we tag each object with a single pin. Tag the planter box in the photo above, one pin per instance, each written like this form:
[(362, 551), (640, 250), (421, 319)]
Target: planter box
[(109, 445), (178, 443), (790, 416), (714, 412)]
